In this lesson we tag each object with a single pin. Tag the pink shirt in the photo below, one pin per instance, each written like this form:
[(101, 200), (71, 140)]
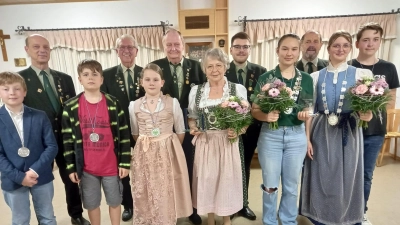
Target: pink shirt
[(99, 157)]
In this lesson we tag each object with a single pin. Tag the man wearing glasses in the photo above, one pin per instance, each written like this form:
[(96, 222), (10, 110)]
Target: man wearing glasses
[(180, 75), (246, 73), (123, 82)]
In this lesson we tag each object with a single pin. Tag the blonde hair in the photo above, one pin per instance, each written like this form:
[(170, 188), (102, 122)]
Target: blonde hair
[(340, 33), (12, 78)]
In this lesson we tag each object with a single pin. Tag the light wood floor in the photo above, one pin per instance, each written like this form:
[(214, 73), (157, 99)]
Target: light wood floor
[(384, 204)]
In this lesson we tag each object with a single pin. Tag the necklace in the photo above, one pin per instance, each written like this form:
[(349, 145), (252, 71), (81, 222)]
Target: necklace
[(296, 88), (333, 119), (373, 65), (155, 132), (94, 137), (23, 151)]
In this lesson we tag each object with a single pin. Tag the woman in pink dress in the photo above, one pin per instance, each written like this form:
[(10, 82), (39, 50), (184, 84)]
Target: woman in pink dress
[(159, 177), (217, 171)]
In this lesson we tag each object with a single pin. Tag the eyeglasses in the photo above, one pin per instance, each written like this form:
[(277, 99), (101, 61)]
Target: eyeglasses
[(129, 48), (212, 67), (344, 47), (244, 47)]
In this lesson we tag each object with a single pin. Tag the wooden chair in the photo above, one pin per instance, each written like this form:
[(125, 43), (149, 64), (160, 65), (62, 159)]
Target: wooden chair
[(393, 131)]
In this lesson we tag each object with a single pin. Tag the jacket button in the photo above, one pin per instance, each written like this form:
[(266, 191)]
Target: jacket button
[(56, 119), (55, 131)]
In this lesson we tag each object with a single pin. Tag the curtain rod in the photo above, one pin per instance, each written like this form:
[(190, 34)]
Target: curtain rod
[(21, 29), (244, 20)]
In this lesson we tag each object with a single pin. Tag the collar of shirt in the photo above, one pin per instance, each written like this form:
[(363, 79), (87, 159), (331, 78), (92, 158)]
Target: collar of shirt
[(18, 122), (342, 67), (15, 115), (181, 62), (241, 66), (314, 62), (37, 70), (124, 68)]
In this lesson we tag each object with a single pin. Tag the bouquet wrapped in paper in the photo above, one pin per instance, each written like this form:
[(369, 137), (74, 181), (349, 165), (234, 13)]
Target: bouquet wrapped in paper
[(369, 94), (233, 113), (274, 96)]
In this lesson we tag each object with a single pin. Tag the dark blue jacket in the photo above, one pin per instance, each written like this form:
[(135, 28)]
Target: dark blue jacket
[(38, 138)]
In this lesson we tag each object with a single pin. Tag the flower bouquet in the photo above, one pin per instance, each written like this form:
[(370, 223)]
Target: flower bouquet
[(369, 94), (274, 96), (233, 113)]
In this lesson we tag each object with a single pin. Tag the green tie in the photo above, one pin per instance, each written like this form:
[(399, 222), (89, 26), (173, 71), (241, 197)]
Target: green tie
[(131, 86), (175, 79), (310, 68), (240, 77), (49, 91)]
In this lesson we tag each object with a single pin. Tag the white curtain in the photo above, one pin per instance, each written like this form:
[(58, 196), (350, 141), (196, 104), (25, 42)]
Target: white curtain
[(67, 59), (264, 53), (69, 47), (265, 34)]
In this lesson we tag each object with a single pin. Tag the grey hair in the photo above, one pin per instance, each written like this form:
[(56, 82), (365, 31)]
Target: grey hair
[(126, 36), (214, 53), (172, 30)]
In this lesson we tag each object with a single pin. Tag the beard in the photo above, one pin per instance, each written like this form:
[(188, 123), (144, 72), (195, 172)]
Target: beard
[(310, 56), (241, 59)]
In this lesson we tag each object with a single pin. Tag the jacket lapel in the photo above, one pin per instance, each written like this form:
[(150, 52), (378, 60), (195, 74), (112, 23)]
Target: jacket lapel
[(36, 89), (137, 72), (169, 80), (300, 65), (59, 88), (320, 65), (250, 79), (186, 73), (231, 73), (27, 124), (119, 76), (9, 124)]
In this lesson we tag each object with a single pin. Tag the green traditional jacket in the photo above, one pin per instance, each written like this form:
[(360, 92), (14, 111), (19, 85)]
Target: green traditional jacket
[(72, 135)]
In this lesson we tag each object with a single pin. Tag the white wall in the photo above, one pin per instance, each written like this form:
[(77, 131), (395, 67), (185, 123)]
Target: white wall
[(78, 15)]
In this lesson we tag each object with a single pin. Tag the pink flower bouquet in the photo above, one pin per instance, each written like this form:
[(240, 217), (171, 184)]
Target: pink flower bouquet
[(233, 113), (274, 96), (369, 94)]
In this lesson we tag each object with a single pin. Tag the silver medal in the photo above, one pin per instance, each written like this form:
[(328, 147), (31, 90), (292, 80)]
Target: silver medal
[(289, 110), (333, 119), (155, 132), (94, 137), (23, 152)]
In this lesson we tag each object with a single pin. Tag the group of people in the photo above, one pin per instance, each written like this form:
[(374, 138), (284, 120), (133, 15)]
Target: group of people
[(128, 133)]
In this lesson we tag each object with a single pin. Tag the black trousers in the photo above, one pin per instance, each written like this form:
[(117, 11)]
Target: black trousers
[(72, 197), (127, 200), (250, 139)]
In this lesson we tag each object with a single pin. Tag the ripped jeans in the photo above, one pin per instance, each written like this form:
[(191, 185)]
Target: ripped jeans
[(281, 153)]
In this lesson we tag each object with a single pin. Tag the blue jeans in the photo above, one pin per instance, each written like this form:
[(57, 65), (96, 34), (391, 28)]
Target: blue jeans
[(42, 197), (281, 153), (372, 146)]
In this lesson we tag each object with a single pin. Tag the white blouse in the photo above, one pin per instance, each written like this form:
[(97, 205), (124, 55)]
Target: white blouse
[(342, 67), (241, 92), (179, 124)]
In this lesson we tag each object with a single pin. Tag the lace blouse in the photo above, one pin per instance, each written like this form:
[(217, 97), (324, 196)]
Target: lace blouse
[(241, 92)]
